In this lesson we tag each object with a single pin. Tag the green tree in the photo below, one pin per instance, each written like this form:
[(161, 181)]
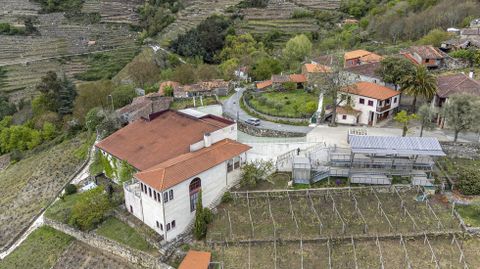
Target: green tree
[(59, 93), (462, 113), (90, 95), (6, 108), (184, 74), (310, 108), (168, 90), (420, 83), (265, 67), (254, 172), (239, 47), (404, 119), (200, 225), (94, 117), (228, 67), (48, 131), (426, 114), (394, 68), (435, 37), (297, 49), (90, 209), (469, 181), (123, 95)]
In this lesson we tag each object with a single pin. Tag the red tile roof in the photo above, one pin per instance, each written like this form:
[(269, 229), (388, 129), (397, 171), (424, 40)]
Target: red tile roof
[(364, 55), (370, 90), (168, 134), (174, 171), (454, 84), (264, 84), (196, 260), (426, 52), (317, 68), (298, 78), (368, 70)]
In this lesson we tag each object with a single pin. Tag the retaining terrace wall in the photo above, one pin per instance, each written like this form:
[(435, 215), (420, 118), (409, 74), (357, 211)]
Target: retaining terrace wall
[(131, 255)]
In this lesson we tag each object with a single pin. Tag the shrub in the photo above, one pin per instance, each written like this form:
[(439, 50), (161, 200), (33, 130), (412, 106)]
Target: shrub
[(90, 209), (200, 226), (207, 215), (254, 172), (227, 197), (70, 189), (469, 181)]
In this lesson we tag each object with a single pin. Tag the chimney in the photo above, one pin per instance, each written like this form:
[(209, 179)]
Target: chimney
[(207, 140), (471, 74)]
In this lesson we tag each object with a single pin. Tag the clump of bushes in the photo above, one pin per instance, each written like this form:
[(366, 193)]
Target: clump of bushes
[(90, 209), (469, 181), (227, 197), (70, 189)]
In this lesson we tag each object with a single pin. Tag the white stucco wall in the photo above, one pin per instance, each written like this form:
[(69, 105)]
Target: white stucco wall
[(351, 119), (152, 211), (133, 201), (214, 182), (366, 109)]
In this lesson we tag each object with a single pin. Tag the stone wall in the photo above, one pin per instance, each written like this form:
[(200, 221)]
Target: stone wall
[(4, 161), (131, 255), (256, 131), (462, 150)]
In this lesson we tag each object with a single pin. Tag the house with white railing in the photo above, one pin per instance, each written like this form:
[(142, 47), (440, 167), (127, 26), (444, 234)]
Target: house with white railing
[(176, 156)]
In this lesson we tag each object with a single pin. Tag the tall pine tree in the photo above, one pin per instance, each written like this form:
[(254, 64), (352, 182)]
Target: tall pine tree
[(200, 226)]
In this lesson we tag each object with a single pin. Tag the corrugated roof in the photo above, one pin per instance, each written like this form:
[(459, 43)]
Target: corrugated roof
[(371, 90), (427, 146), (183, 167), (145, 143), (196, 260)]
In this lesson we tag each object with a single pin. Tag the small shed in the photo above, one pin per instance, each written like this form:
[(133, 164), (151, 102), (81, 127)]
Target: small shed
[(196, 260), (301, 170)]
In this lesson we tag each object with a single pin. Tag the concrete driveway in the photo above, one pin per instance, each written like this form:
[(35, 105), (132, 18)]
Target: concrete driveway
[(231, 107)]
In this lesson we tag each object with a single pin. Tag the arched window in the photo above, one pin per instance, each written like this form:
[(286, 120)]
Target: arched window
[(194, 188)]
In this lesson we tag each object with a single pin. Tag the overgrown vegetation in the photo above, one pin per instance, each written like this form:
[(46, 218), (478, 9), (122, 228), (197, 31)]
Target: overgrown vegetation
[(290, 103), (255, 172), (50, 6), (155, 15)]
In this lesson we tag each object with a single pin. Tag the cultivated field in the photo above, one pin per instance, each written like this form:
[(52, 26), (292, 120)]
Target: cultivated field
[(338, 228), (31, 184)]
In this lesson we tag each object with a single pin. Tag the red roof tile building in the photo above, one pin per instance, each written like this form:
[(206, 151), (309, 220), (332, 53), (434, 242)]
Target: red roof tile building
[(175, 155), (429, 56), (368, 102)]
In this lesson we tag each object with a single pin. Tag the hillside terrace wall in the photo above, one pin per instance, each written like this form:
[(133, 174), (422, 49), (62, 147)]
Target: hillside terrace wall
[(131, 255)]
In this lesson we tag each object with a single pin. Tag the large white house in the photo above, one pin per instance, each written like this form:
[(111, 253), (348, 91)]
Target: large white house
[(366, 103), (176, 156)]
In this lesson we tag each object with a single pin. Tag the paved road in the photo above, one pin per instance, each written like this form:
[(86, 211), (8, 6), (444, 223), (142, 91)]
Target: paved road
[(232, 108)]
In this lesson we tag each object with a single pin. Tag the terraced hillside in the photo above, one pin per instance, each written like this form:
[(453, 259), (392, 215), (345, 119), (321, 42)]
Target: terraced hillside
[(12, 10), (61, 45), (195, 12), (277, 16), (114, 11), (318, 4)]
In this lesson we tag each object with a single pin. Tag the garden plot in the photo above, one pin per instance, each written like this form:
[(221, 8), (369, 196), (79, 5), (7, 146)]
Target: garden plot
[(286, 226), (315, 255), (309, 222), (262, 221), (81, 255), (31, 184), (239, 218)]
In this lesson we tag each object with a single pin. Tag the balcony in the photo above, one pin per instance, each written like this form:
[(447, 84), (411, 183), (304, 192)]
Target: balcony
[(383, 108), (132, 187)]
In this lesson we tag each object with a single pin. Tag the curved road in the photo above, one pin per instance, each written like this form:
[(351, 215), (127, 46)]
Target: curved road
[(231, 107)]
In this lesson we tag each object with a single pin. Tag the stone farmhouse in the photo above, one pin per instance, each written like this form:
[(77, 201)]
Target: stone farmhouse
[(429, 56), (449, 85), (176, 156), (366, 73), (359, 57), (218, 87), (143, 106), (366, 103)]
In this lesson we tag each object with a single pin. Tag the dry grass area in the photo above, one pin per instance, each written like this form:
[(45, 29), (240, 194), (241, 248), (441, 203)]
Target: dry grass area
[(390, 253), (338, 229), (31, 184), (80, 255)]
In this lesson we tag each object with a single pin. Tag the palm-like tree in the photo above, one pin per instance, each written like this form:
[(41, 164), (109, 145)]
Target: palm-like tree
[(420, 83)]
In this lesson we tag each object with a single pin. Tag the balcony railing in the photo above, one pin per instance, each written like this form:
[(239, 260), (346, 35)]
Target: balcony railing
[(383, 108)]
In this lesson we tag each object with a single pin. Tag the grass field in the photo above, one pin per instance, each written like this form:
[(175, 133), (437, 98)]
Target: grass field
[(289, 104), (31, 184), (119, 231), (40, 250), (470, 214)]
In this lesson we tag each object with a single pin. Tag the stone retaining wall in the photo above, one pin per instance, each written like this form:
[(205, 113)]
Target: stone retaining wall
[(4, 161), (256, 131), (131, 255)]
